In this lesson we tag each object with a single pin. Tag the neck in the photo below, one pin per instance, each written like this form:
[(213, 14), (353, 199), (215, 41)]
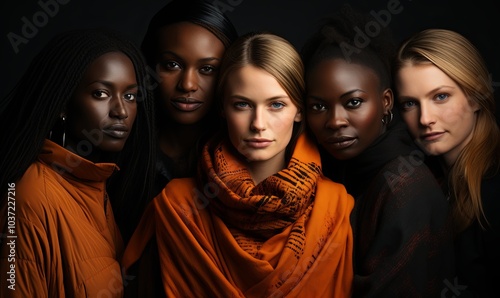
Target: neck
[(260, 170), (93, 154), (175, 140)]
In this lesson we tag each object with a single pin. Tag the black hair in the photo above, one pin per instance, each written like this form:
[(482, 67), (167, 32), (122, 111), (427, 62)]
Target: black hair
[(336, 38), (199, 12), (33, 107)]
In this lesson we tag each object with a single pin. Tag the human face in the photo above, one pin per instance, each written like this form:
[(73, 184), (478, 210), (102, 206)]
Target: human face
[(103, 108), (436, 110), (259, 114), (188, 63), (345, 107)]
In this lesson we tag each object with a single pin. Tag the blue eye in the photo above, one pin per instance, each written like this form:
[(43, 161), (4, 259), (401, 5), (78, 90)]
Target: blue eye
[(277, 105), (408, 104), (442, 96), (241, 105)]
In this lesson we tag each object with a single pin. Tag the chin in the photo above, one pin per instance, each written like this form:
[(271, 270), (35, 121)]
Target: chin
[(114, 147)]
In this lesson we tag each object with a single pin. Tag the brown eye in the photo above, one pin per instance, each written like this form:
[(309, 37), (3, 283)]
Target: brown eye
[(99, 94)]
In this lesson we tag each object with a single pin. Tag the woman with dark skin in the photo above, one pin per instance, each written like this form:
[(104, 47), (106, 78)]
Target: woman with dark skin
[(74, 118), (402, 238), (184, 44)]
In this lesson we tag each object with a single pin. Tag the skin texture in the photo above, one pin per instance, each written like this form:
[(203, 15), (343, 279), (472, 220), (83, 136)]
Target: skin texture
[(103, 108), (436, 110), (345, 107), (188, 62), (260, 117)]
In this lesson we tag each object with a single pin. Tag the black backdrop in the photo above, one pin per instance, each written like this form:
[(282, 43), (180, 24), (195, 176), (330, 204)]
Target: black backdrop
[(28, 25)]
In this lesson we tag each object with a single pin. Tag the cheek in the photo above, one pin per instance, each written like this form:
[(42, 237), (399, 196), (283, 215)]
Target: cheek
[(282, 124), (132, 112), (167, 84), (369, 121), (315, 122)]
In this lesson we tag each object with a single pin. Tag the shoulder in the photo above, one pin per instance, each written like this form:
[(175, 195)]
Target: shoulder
[(37, 194), (408, 172), (178, 191), (334, 192), (407, 181)]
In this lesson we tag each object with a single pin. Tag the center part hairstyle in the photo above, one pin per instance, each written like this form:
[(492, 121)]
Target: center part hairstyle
[(34, 106), (276, 56), (198, 12), (458, 58)]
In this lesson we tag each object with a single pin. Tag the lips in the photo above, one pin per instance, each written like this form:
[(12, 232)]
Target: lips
[(186, 104), (341, 142), (117, 131), (258, 143), (431, 136)]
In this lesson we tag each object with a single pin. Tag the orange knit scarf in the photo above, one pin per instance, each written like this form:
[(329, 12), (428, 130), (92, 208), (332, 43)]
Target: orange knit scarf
[(289, 235)]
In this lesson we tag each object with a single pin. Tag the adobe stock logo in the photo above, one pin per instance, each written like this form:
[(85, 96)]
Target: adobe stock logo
[(29, 29), (454, 289), (371, 30)]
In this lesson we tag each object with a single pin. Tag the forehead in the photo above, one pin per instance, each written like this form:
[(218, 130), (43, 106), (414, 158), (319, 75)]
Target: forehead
[(340, 73), (420, 78), (188, 36), (253, 83), (112, 65)]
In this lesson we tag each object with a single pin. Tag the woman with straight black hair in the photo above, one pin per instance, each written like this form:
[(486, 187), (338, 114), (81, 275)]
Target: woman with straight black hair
[(184, 44)]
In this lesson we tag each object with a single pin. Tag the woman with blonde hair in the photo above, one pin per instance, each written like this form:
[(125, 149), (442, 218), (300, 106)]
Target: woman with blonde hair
[(446, 97), (260, 219)]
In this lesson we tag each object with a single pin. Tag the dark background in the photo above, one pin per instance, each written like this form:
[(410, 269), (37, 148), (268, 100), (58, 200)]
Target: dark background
[(295, 20)]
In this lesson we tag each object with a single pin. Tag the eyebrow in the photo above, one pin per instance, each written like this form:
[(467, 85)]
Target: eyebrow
[(207, 59), (267, 99), (341, 96), (110, 84), (428, 93)]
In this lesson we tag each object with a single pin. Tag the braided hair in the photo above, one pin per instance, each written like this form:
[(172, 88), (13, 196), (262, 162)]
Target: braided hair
[(32, 109)]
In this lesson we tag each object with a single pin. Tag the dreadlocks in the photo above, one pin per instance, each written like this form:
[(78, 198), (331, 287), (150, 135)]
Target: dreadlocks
[(33, 107)]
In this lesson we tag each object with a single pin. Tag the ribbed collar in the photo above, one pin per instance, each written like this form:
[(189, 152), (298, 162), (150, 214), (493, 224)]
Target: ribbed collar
[(68, 163)]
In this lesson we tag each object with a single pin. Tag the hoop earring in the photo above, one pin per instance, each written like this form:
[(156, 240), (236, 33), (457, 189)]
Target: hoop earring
[(390, 116), (63, 118)]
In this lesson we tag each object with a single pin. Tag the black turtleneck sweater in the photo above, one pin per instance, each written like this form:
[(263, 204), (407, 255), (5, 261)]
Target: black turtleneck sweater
[(403, 245)]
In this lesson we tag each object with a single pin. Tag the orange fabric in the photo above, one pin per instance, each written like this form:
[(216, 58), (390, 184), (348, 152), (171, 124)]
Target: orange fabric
[(67, 241), (287, 236)]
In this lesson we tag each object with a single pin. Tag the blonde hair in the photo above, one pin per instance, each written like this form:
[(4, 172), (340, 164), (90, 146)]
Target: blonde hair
[(276, 56), (457, 57)]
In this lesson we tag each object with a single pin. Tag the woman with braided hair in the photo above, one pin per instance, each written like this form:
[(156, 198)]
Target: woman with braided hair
[(79, 114), (260, 219)]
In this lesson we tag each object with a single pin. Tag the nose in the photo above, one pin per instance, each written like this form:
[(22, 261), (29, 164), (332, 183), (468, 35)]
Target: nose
[(188, 80), (337, 118), (117, 108), (258, 121), (427, 116)]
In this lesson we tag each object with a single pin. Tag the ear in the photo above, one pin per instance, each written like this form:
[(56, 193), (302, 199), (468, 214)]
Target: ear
[(298, 116), (474, 105), (388, 100)]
